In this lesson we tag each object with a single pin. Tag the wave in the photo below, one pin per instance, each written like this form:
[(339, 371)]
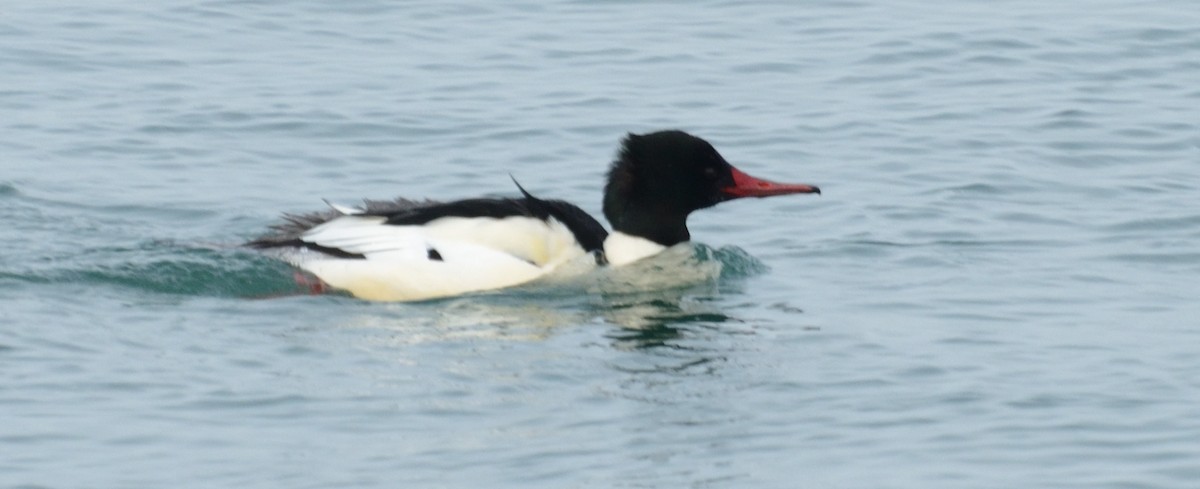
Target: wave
[(169, 267)]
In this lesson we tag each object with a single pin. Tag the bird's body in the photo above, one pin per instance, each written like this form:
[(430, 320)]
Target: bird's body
[(410, 250)]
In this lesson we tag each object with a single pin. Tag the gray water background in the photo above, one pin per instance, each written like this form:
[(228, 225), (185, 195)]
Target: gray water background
[(997, 289)]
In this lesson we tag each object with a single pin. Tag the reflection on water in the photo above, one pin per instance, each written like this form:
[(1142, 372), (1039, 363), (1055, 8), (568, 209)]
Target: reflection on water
[(673, 348), (657, 319), (645, 320), (650, 319), (479, 317), (657, 300), (653, 302)]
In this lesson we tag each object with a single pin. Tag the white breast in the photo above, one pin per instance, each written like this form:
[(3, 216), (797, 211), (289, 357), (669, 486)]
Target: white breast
[(445, 257), (622, 249)]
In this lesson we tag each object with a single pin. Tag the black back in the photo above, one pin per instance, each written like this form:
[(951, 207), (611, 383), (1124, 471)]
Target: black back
[(587, 231)]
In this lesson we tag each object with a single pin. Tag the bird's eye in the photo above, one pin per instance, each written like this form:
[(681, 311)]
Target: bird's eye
[(710, 172)]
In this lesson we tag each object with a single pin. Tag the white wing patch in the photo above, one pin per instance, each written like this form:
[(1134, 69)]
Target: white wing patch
[(344, 209), (472, 254), (365, 235)]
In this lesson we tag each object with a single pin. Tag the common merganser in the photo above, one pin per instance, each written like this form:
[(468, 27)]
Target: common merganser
[(406, 250)]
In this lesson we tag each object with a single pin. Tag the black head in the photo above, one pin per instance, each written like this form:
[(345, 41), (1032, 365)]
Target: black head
[(660, 178)]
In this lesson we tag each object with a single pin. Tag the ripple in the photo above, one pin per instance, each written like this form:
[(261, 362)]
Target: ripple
[(906, 56), (993, 60), (1164, 258), (1159, 224), (1000, 279), (166, 268)]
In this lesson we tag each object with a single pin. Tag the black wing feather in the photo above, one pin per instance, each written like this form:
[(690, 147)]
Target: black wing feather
[(403, 212)]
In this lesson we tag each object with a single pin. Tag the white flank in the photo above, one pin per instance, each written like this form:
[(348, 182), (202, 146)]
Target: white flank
[(472, 254), (623, 249)]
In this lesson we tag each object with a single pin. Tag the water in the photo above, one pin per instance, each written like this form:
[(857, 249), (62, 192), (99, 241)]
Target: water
[(998, 288)]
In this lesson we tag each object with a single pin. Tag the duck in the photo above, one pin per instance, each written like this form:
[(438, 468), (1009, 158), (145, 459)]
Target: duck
[(413, 250)]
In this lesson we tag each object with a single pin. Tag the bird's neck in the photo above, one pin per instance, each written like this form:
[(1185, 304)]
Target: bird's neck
[(639, 232), (663, 226), (622, 249)]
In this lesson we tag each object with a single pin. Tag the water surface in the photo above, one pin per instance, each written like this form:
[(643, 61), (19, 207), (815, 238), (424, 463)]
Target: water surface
[(997, 288)]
